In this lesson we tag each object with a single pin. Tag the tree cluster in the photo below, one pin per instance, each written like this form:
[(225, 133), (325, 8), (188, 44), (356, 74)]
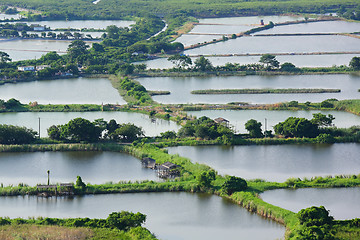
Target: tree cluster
[(80, 129), (205, 128), (234, 184), (16, 135)]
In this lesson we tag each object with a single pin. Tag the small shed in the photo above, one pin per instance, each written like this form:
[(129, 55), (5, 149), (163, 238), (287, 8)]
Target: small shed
[(168, 170), (221, 120), (148, 163), (46, 190), (66, 189)]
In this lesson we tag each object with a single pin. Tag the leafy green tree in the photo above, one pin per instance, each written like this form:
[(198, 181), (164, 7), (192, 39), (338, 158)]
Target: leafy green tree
[(77, 49), (355, 63), (254, 128), (4, 57), (79, 183), (180, 61), (125, 220), (322, 120), (326, 104), (80, 129), (16, 135), (234, 184), (288, 67), (205, 178), (203, 64), (128, 132), (126, 69), (54, 132), (168, 134), (269, 61), (297, 127)]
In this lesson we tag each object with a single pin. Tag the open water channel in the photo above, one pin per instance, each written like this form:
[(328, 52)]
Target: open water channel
[(181, 87), (343, 203), (276, 162), (63, 91), (93, 167), (171, 216)]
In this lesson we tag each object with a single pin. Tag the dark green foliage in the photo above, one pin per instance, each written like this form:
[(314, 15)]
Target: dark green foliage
[(254, 128), (234, 184), (118, 220), (80, 129), (16, 135), (135, 90), (125, 220), (269, 61), (288, 67), (180, 61), (326, 104), (128, 132), (205, 178), (355, 63), (322, 120), (297, 127), (316, 224), (79, 183), (203, 64), (205, 128), (168, 134)]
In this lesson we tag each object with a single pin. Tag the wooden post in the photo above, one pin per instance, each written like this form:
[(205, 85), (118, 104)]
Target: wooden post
[(48, 172)]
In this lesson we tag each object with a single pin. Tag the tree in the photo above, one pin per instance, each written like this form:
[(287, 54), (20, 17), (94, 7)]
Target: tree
[(125, 220), (205, 178), (80, 129), (322, 120), (180, 60), (79, 183), (168, 134), (54, 132), (4, 57), (77, 49), (254, 128), (128, 132), (269, 61), (233, 184), (203, 64), (297, 127), (288, 67), (355, 63), (127, 68), (16, 135)]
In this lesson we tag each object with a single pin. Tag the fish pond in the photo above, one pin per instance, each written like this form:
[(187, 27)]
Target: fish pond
[(63, 91), (93, 167), (343, 203), (276, 162), (180, 88), (172, 216)]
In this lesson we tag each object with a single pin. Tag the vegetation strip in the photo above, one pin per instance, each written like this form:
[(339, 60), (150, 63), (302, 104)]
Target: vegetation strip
[(265, 91)]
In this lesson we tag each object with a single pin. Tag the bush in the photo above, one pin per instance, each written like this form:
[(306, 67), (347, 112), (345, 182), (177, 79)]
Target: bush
[(234, 184)]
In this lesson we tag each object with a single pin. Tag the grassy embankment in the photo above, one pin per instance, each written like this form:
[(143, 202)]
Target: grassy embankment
[(265, 91), (188, 182)]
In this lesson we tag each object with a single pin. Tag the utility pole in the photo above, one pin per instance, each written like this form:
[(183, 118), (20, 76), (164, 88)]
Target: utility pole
[(48, 172), (265, 127), (39, 127)]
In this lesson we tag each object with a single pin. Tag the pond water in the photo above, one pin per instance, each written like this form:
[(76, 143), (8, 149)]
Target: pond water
[(188, 39), (277, 162), (343, 203), (25, 49), (172, 216), (151, 127), (4, 16), (280, 44), (78, 24), (240, 117), (221, 29), (93, 167), (63, 91), (249, 20), (298, 60), (316, 27), (180, 88)]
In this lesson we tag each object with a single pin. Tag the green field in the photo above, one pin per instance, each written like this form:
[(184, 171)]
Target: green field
[(114, 9)]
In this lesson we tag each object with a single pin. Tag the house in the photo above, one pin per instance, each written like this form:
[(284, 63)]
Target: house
[(168, 170), (148, 163), (41, 67), (26, 68), (221, 120)]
